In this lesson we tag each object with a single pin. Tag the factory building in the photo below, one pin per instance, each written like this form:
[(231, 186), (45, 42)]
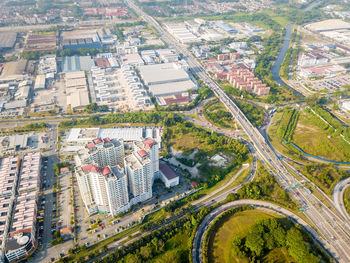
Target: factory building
[(166, 79)]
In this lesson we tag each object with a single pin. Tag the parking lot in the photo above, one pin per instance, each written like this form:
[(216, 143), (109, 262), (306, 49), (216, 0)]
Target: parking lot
[(326, 84)]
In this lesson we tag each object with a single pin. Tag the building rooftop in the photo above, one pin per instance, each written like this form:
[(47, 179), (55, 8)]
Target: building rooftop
[(7, 39), (167, 171), (77, 63), (171, 88), (328, 25), (162, 73)]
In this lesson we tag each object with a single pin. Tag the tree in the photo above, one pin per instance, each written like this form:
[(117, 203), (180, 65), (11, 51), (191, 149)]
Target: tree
[(255, 243), (146, 252)]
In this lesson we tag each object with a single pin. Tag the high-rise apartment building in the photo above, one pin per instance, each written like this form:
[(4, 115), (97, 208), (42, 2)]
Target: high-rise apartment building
[(111, 182), (103, 189)]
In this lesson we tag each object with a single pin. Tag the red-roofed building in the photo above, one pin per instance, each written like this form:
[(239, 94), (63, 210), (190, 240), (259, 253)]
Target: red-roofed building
[(142, 153), (87, 168), (148, 143), (106, 171), (90, 145)]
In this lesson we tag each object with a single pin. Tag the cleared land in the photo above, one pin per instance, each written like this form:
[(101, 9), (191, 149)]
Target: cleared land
[(310, 137), (220, 250), (317, 141)]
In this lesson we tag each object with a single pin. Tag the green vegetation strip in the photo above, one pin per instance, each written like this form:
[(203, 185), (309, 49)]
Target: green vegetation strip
[(258, 239)]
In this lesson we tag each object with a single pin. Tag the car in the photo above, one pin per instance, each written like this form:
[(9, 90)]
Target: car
[(61, 255), (52, 259), (87, 244), (105, 235)]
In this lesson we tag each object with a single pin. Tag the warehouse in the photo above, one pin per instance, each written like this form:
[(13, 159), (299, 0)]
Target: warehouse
[(77, 63), (166, 79), (80, 39), (78, 99), (7, 40)]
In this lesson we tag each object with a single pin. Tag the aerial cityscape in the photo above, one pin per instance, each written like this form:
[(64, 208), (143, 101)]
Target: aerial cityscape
[(175, 131)]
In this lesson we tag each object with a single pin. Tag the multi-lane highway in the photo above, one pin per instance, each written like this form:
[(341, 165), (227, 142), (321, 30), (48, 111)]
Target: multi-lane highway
[(335, 230)]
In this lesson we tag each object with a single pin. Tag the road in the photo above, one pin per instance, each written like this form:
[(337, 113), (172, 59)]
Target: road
[(334, 229), (198, 241), (47, 252), (338, 197)]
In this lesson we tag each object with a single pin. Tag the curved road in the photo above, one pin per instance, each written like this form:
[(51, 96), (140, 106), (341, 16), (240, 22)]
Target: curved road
[(338, 197), (197, 256)]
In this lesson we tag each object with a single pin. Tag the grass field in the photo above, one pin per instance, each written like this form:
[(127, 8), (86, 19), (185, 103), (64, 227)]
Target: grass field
[(311, 139), (283, 21), (237, 225), (316, 141), (347, 199)]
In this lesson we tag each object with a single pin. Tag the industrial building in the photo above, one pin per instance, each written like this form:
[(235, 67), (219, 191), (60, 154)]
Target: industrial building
[(82, 136), (76, 90), (166, 79), (225, 28), (7, 40), (48, 66), (77, 63), (80, 39), (41, 42), (181, 32)]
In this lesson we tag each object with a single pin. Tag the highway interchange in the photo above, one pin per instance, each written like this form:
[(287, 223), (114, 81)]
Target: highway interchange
[(333, 228)]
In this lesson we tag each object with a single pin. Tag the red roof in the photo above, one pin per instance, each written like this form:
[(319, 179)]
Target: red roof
[(95, 169), (106, 140), (64, 169), (194, 183), (142, 153), (106, 171), (167, 171), (87, 168), (149, 143), (90, 145), (97, 141)]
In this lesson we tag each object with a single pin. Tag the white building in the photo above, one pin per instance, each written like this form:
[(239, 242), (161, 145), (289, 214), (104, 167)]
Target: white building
[(110, 182), (103, 189), (139, 169), (168, 176), (105, 152), (311, 59)]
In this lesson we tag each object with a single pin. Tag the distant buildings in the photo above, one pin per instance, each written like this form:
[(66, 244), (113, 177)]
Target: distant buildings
[(181, 32), (243, 79), (312, 59)]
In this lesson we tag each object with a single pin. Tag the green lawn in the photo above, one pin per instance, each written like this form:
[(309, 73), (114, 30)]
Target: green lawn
[(236, 225), (317, 141), (312, 139), (347, 199)]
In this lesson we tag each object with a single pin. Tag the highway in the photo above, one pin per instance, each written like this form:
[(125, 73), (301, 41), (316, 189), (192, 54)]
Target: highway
[(338, 195), (334, 229)]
